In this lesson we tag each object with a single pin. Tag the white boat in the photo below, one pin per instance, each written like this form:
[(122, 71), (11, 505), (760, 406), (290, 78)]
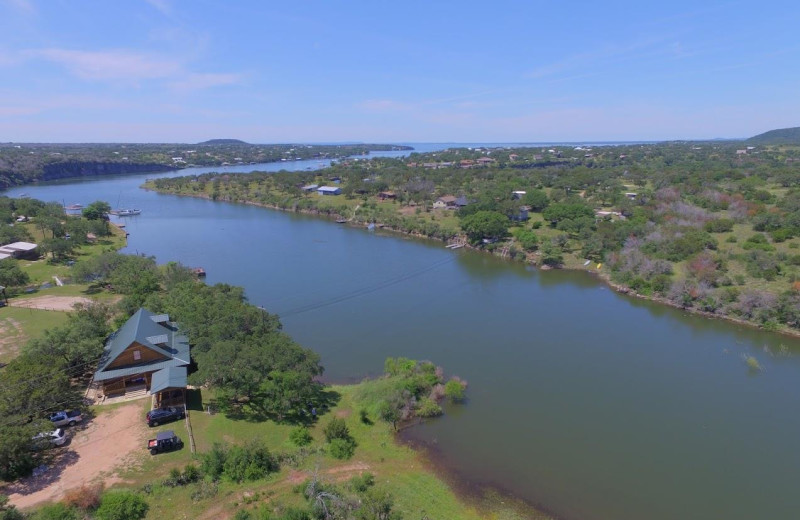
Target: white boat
[(128, 212)]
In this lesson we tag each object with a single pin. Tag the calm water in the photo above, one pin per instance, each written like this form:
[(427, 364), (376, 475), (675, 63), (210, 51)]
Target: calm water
[(588, 403)]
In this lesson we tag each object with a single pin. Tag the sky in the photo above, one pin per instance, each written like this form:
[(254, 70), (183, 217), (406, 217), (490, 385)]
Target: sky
[(378, 71)]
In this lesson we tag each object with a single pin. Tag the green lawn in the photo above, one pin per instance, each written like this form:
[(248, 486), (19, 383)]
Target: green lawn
[(18, 325)]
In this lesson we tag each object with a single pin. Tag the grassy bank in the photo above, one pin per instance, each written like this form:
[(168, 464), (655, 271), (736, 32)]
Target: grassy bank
[(418, 491)]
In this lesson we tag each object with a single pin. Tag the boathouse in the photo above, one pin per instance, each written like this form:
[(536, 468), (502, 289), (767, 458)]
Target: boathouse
[(147, 354)]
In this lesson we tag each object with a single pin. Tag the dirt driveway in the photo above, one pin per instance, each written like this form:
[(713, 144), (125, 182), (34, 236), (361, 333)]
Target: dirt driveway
[(92, 454), (48, 303)]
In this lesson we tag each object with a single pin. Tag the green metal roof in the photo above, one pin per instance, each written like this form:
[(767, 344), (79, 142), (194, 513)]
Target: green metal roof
[(166, 378), (142, 328)]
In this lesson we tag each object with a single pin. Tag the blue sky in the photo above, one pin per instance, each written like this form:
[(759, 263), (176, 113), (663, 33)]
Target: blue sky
[(321, 71)]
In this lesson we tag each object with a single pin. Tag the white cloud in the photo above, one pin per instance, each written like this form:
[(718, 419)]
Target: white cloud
[(111, 65), (128, 66)]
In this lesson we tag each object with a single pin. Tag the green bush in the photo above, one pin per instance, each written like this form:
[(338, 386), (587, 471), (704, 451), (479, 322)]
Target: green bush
[(454, 390), (121, 505), (56, 512), (252, 461), (336, 429), (361, 483), (720, 225), (300, 436), (342, 448), (428, 408)]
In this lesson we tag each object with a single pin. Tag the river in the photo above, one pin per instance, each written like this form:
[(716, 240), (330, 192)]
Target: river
[(591, 404)]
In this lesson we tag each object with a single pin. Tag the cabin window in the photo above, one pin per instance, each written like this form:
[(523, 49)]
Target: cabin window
[(137, 355)]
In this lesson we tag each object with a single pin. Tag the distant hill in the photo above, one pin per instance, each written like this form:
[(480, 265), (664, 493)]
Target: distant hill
[(781, 136), (223, 141)]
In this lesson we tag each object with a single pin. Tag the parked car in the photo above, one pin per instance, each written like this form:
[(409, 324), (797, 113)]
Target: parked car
[(64, 418), (46, 439), (163, 415), (164, 441)]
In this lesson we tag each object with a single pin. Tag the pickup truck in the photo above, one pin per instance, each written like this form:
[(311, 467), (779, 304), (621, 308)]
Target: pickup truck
[(66, 418), (164, 441)]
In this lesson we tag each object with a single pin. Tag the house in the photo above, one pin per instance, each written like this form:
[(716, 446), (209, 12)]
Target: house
[(521, 215), (446, 201), (387, 195), (308, 188), (741, 152), (147, 354), (461, 201), (20, 250), (516, 195), (466, 163), (513, 157), (329, 190), (485, 161), (631, 195)]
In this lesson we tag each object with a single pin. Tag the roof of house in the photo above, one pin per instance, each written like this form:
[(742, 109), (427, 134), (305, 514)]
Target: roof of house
[(22, 246), (143, 328), (461, 201), (447, 198), (328, 188), (3, 256), (166, 378)]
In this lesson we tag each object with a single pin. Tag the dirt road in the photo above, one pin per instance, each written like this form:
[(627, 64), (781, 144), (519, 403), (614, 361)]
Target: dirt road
[(93, 453), (48, 303)]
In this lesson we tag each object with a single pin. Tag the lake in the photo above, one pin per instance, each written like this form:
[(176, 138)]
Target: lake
[(591, 404)]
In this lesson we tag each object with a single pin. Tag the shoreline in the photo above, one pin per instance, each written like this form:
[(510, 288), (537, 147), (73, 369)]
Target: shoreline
[(482, 495), (621, 289)]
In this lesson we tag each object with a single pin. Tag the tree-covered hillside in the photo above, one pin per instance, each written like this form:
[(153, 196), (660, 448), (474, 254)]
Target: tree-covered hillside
[(709, 226), (783, 136)]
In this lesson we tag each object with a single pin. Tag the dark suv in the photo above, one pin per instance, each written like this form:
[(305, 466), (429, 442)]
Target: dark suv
[(163, 415)]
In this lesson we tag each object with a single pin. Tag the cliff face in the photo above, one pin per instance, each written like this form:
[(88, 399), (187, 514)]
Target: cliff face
[(63, 170)]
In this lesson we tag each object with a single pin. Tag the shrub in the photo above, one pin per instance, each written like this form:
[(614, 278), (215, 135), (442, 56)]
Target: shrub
[(364, 416), (720, 225), (342, 448), (454, 390), (56, 512), (121, 505), (205, 489), (361, 483), (242, 514), (190, 474), (213, 462), (300, 436), (252, 461), (429, 408), (336, 429), (84, 498)]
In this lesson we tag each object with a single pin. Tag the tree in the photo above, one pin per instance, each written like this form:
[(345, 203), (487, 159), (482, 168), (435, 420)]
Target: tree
[(11, 275), (30, 386), (97, 210), (80, 341), (485, 224), (537, 200), (566, 211)]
